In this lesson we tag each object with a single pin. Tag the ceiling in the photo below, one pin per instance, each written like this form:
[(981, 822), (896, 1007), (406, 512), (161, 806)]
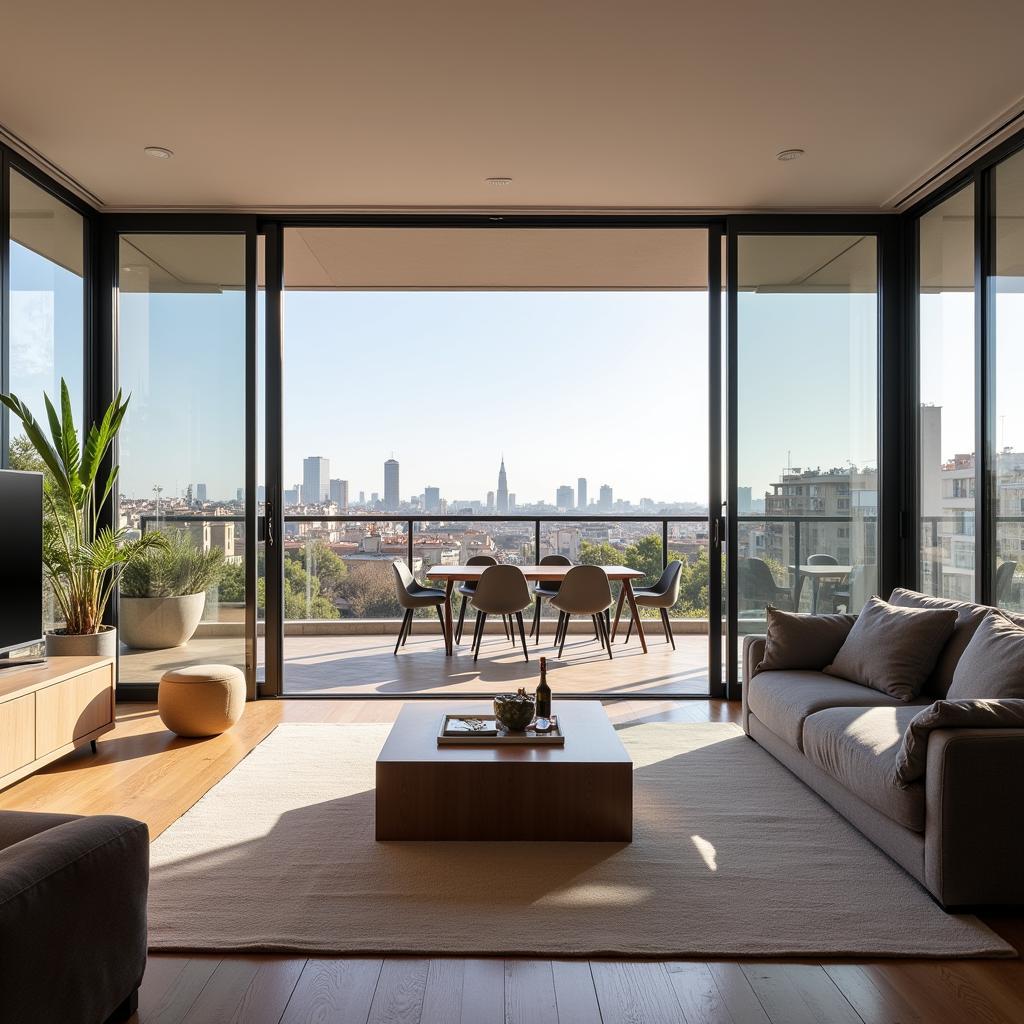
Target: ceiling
[(585, 104)]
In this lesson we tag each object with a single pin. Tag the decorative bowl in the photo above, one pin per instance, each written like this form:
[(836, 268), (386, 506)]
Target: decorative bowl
[(514, 710)]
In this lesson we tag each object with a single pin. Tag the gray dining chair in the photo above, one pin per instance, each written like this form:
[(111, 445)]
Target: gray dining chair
[(821, 559), (545, 590), (663, 595), (413, 595), (468, 588), (502, 590), (824, 590), (584, 591), (1004, 581)]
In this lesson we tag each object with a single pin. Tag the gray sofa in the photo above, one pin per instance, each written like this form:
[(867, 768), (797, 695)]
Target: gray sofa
[(72, 917), (959, 831)]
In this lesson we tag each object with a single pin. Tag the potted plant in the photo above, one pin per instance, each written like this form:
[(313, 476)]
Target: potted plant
[(163, 593), (83, 560)]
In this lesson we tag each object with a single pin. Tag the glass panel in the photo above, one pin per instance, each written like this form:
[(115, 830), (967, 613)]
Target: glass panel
[(1007, 374), (181, 356), (46, 315), (946, 464), (503, 373), (807, 412)]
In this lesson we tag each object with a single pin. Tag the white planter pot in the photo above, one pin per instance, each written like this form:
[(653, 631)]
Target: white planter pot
[(156, 623), (82, 645)]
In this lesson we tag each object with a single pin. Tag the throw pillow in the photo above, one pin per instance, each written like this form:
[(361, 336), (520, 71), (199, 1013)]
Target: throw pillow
[(992, 667), (912, 757), (893, 649), (968, 618), (795, 640)]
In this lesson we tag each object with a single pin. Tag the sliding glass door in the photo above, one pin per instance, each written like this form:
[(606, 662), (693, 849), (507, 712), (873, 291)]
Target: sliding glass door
[(185, 328), (804, 451)]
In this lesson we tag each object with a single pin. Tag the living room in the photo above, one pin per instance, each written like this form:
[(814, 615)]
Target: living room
[(511, 515)]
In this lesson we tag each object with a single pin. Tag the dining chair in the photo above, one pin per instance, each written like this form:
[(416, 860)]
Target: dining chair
[(824, 590), (502, 590), (584, 591), (663, 595), (468, 588), (758, 589), (545, 589), (821, 559), (1004, 581), (413, 595)]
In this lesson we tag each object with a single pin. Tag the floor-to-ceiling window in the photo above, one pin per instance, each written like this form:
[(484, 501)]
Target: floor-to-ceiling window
[(946, 385), (1006, 355), (181, 356), (806, 419), (46, 314), (448, 378)]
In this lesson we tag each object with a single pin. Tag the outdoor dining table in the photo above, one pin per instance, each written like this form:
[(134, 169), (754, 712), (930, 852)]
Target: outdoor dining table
[(623, 574), (817, 573)]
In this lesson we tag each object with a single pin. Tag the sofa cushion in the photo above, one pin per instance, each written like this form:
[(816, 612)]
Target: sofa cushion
[(782, 700), (857, 747), (795, 640), (968, 618), (912, 758), (992, 667), (893, 649)]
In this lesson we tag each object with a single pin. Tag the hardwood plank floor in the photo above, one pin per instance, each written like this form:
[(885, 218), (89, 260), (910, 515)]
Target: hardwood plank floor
[(143, 771)]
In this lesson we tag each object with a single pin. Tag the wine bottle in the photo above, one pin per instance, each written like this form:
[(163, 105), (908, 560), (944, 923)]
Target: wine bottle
[(543, 692)]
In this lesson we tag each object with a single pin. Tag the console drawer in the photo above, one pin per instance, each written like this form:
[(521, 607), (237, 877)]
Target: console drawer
[(73, 708)]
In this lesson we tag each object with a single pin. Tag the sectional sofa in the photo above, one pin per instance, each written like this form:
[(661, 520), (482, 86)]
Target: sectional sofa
[(960, 829)]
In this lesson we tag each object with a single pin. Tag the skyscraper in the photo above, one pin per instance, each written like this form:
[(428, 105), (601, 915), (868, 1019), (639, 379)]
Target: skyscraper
[(200, 492), (316, 485), (432, 499), (339, 493), (490, 501), (581, 493), (502, 488), (391, 499), (564, 498), (604, 501)]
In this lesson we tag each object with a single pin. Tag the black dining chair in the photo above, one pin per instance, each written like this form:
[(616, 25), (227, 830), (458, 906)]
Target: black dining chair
[(545, 590), (663, 595), (413, 595), (467, 589)]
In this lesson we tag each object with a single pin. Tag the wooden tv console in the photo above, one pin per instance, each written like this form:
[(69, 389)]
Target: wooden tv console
[(48, 710)]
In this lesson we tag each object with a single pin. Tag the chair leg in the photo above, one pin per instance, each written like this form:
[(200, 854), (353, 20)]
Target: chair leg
[(476, 632), (444, 632), (630, 630), (408, 627), (597, 632), (480, 633), (522, 635), (535, 628), (565, 630), (605, 636), (504, 623), (462, 619), (559, 626), (668, 628), (401, 628)]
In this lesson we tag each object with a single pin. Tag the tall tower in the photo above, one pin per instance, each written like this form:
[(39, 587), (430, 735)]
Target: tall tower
[(581, 494), (502, 503), (316, 484), (391, 500)]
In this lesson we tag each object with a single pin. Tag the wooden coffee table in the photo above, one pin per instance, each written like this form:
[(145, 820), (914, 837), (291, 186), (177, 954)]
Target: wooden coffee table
[(580, 792)]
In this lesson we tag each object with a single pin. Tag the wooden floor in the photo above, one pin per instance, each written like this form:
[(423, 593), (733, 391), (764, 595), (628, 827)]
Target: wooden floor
[(366, 664), (143, 771)]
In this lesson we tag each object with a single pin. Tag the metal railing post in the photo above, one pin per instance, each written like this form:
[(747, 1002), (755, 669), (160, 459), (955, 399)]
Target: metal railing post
[(536, 542), (409, 527), (936, 559), (664, 544), (797, 578)]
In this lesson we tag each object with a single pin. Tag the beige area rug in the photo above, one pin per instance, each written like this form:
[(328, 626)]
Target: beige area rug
[(732, 856)]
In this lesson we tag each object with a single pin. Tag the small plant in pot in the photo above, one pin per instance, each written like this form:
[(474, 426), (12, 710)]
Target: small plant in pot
[(83, 561), (163, 593)]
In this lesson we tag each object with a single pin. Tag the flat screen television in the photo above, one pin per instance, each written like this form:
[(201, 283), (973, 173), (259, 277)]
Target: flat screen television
[(21, 559)]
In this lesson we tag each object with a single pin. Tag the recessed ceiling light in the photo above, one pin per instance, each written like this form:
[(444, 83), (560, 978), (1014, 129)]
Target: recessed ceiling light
[(789, 154), (158, 152), (498, 181)]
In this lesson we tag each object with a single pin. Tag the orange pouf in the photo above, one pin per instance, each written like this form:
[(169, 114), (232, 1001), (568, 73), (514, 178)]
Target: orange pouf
[(201, 700)]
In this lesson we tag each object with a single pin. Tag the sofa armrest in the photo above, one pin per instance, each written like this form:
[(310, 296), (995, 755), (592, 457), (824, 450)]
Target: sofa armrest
[(73, 920), (753, 654), (974, 816)]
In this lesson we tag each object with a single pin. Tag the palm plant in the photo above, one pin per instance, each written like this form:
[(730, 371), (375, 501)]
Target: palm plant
[(83, 560)]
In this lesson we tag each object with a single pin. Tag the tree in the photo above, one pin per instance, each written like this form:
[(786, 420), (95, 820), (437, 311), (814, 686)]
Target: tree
[(370, 594)]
